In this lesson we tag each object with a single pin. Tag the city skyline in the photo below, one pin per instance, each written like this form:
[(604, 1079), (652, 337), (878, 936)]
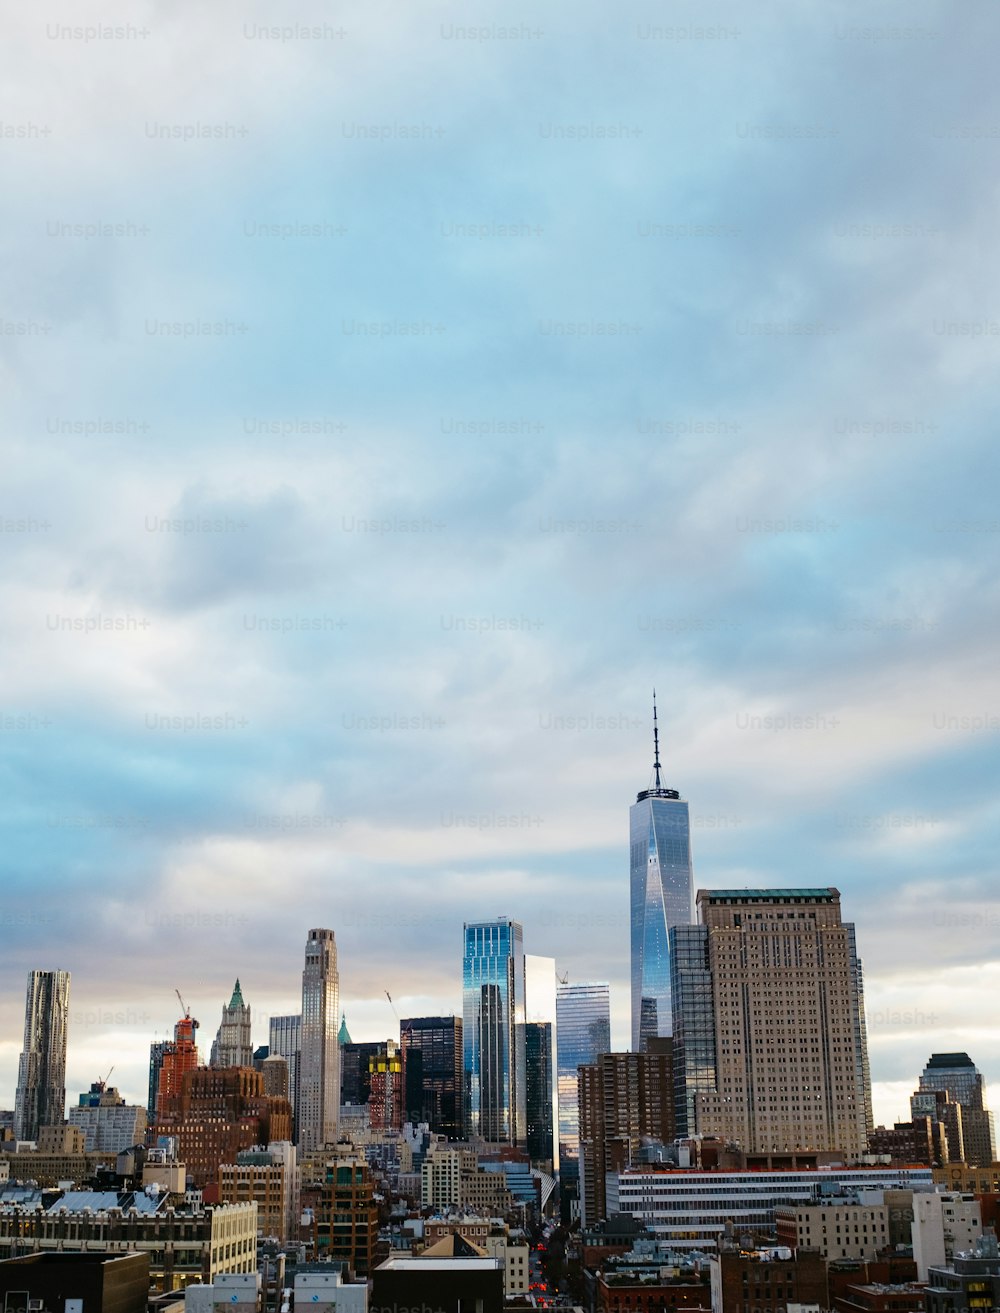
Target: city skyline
[(377, 439)]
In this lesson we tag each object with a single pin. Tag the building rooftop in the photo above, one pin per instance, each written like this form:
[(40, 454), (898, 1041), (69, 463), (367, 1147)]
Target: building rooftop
[(100, 1201), (825, 895)]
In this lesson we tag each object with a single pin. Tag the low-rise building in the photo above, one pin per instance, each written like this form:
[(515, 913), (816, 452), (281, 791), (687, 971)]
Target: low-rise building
[(107, 1121), (191, 1244), (847, 1227), (767, 1280), (971, 1284), (270, 1177)]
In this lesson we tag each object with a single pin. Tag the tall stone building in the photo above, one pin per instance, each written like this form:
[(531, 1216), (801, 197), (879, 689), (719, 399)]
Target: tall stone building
[(232, 1046), (769, 1037), (319, 1061)]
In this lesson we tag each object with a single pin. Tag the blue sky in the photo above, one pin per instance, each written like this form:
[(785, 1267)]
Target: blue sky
[(420, 402)]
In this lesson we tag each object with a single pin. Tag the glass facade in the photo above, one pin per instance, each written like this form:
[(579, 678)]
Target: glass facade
[(661, 897), (432, 1073), (493, 1031), (694, 1022), (583, 1015), (539, 1091)]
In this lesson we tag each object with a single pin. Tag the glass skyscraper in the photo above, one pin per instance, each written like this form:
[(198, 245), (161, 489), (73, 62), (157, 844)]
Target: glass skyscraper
[(493, 1031), (583, 1015), (661, 897)]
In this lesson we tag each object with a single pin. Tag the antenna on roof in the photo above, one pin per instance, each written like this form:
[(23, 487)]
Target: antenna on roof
[(656, 744)]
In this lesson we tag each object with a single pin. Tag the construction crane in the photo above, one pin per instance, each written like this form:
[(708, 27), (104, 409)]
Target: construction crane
[(392, 1005), (186, 1010), (564, 979)]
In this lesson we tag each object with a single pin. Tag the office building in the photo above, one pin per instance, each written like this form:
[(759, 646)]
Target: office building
[(584, 1032), (541, 1037), (41, 1078), (232, 1046), (694, 1210), (971, 1133), (970, 1284), (319, 1063), (157, 1051), (285, 1041), (433, 1080), (385, 1081), (493, 1031), (769, 1026), (107, 1121), (660, 897)]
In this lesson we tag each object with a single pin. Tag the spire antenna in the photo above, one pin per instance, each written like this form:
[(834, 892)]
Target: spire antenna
[(656, 744)]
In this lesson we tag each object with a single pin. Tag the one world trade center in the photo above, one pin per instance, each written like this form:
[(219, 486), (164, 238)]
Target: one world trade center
[(661, 897)]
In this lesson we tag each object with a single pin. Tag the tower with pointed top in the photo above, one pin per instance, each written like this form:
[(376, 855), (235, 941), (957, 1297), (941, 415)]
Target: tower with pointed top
[(661, 896), (232, 1046)]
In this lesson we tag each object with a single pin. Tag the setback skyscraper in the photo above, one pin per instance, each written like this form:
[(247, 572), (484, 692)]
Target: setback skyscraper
[(769, 1041), (661, 887), (319, 1064), (41, 1077), (493, 1031), (285, 1040)]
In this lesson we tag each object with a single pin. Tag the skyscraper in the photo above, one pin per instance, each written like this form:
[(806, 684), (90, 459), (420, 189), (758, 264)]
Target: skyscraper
[(972, 1138), (179, 1057), (433, 1082), (41, 1077), (660, 888), (493, 1030), (319, 1064), (285, 1040), (232, 1046), (583, 1013), (769, 1031), (541, 1086)]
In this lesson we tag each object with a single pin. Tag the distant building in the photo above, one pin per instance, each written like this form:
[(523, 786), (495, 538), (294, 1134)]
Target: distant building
[(451, 1177), (956, 1075), (540, 1087), (433, 1079), (285, 1041), (270, 1178), (157, 1052), (493, 1031), (107, 1121), (232, 1046), (41, 1077), (660, 882), (920, 1140), (179, 1057), (274, 1069), (583, 1010), (217, 1113), (319, 1064)]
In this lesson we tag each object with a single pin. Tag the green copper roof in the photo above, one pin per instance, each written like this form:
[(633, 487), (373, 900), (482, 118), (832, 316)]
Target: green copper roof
[(344, 1035), (237, 998)]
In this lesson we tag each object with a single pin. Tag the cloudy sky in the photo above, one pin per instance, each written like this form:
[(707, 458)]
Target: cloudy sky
[(395, 397)]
